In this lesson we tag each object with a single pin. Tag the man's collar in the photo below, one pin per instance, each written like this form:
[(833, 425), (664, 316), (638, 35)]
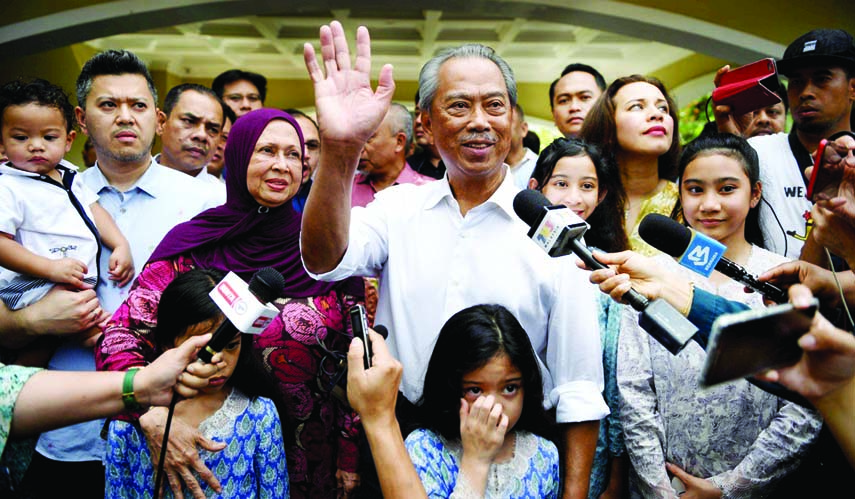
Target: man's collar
[(505, 194), (503, 197), (407, 175), (200, 175), (800, 153), (362, 178), (149, 182)]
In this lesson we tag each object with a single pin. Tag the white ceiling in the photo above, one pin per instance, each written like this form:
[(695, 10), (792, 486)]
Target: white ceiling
[(273, 45)]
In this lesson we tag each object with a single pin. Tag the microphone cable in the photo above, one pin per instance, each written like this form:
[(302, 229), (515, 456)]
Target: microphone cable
[(839, 289), (158, 474), (784, 232)]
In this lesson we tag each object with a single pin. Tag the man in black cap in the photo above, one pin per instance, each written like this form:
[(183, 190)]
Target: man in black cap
[(820, 66)]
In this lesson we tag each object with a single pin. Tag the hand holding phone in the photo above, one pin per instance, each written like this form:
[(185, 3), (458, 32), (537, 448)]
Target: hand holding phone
[(746, 343), (748, 88), (820, 175), (359, 324), (832, 169)]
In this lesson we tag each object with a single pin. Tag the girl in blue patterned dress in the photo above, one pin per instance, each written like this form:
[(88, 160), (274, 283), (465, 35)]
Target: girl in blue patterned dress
[(578, 175), (483, 426), (229, 410)]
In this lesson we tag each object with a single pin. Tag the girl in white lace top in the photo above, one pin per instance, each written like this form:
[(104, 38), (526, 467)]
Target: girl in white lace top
[(731, 440)]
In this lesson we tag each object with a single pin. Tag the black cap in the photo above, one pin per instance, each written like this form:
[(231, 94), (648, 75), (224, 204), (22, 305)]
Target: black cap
[(833, 47)]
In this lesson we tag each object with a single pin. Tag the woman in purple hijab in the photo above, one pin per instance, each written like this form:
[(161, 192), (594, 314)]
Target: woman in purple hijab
[(303, 348)]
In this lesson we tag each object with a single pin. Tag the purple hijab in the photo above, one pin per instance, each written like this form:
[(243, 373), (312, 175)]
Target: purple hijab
[(241, 236)]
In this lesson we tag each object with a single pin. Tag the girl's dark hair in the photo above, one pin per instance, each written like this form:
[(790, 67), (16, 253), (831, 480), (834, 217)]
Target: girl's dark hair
[(607, 230), (731, 146), (186, 302), (467, 341), (600, 127)]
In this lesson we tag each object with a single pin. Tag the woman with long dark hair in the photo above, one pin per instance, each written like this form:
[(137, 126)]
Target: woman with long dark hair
[(636, 122)]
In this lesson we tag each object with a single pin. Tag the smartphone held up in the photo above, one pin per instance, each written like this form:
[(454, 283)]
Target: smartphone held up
[(359, 324), (747, 343), (748, 88)]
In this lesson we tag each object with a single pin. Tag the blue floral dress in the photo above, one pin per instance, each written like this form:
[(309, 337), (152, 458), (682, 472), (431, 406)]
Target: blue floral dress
[(532, 472), (251, 466)]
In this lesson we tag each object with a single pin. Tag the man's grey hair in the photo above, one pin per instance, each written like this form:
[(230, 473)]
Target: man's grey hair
[(401, 121), (429, 75)]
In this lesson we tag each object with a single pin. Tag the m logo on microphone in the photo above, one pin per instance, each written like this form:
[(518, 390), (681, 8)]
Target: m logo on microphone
[(703, 254)]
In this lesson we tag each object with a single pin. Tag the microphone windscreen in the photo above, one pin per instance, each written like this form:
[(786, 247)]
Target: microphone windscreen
[(266, 284), (382, 331), (529, 204), (665, 234)]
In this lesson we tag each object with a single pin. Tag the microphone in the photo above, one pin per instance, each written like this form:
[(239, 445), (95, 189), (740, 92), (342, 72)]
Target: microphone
[(558, 231), (700, 253), (247, 309)]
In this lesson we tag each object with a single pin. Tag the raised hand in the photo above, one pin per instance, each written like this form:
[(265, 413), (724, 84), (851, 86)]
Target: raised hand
[(373, 392), (820, 281), (349, 111), (836, 181), (725, 121), (828, 361), (833, 231), (626, 269), (155, 383)]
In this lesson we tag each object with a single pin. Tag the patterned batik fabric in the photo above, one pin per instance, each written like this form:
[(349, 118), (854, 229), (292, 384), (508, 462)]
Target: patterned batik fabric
[(252, 465), (532, 472), (15, 457)]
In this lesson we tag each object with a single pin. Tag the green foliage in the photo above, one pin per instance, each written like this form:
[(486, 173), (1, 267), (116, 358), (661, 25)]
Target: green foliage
[(693, 118)]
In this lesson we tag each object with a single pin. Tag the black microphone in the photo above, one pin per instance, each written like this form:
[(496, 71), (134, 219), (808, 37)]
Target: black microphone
[(245, 312), (557, 230), (700, 253)]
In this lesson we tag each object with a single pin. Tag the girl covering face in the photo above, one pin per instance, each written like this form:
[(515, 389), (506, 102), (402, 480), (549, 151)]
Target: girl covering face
[(483, 412)]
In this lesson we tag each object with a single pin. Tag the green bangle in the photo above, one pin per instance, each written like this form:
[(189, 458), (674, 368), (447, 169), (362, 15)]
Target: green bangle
[(128, 396)]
